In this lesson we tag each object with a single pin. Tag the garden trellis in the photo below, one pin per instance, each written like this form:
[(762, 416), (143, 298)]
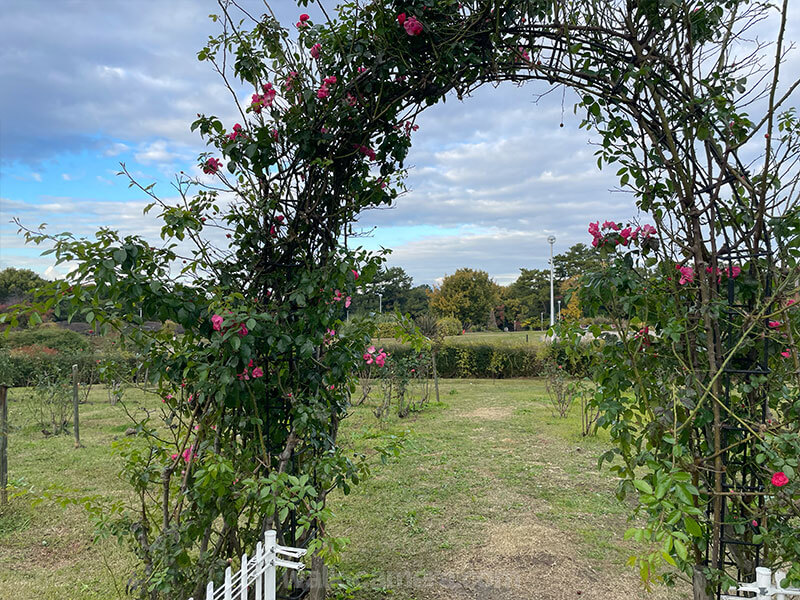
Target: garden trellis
[(255, 388), (741, 494)]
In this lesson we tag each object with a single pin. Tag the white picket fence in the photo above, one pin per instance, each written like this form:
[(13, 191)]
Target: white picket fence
[(766, 586), (257, 573)]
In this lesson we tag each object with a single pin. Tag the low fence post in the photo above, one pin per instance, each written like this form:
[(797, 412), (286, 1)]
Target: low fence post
[(3, 446), (75, 424), (270, 556)]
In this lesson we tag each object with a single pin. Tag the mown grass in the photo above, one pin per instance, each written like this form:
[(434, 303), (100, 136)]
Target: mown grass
[(488, 478), (482, 470), (47, 551), (500, 338)]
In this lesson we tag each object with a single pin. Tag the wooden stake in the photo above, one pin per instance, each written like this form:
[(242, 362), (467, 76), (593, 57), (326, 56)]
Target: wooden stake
[(75, 424)]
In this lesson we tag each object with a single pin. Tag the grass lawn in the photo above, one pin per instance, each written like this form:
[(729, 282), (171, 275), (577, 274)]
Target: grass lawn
[(492, 498), (503, 338)]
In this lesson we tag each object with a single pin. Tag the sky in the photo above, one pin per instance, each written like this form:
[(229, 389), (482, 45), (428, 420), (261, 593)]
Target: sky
[(87, 84)]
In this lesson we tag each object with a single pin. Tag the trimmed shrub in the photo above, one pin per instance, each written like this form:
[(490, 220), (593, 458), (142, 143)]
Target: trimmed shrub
[(449, 326), (386, 329), (483, 361), (23, 368), (63, 340)]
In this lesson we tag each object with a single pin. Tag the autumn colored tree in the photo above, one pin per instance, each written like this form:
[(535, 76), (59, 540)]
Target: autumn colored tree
[(468, 295)]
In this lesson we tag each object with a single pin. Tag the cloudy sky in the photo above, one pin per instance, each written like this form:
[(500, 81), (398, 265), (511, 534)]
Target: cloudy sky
[(87, 84)]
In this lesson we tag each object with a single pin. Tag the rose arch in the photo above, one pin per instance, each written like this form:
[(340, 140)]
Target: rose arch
[(697, 387)]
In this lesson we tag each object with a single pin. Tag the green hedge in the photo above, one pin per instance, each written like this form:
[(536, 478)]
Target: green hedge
[(497, 361), (47, 335), (19, 370), (484, 361)]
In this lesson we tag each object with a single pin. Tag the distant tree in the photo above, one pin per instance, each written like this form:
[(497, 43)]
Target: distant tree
[(415, 300), (18, 284), (529, 295), (393, 283), (572, 310), (467, 294), (578, 260)]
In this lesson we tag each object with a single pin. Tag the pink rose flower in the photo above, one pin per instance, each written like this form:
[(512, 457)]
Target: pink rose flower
[(257, 372), (243, 330), (211, 166), (780, 479), (401, 18), (733, 272), (786, 353), (687, 274), (647, 231), (774, 324), (610, 225), (315, 50), (236, 133), (216, 322), (412, 26)]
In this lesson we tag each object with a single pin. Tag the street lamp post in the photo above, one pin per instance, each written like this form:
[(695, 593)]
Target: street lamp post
[(380, 303), (551, 240), (541, 318), (559, 310)]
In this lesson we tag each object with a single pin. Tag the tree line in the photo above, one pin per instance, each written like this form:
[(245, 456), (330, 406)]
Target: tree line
[(476, 300), (469, 295)]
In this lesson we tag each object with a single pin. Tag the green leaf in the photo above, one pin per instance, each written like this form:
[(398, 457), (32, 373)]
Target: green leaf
[(692, 527), (643, 486), (680, 549)]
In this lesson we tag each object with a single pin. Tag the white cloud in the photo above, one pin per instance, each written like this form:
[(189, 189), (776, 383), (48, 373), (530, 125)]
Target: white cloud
[(66, 177), (155, 153), (115, 149), (110, 72)]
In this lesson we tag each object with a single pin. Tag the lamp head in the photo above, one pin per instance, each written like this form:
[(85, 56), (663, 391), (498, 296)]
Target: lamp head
[(551, 239)]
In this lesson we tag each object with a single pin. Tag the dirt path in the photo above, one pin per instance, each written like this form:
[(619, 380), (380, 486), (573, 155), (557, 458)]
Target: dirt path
[(494, 499)]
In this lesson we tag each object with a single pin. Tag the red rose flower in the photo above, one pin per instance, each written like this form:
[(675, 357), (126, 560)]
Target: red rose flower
[(780, 479)]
